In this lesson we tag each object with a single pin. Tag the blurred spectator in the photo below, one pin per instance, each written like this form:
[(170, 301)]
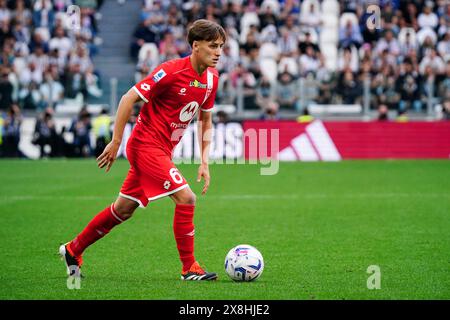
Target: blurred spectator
[(61, 43), (388, 17), (383, 112), (385, 91), (80, 128), (30, 73), (43, 14), (427, 18), (248, 81), (5, 31), (402, 116), (74, 81), (306, 117), (4, 12), (251, 42), (388, 43), (168, 47), (226, 91), (443, 46), (287, 91), (149, 62), (349, 88), (446, 109), (309, 61), (312, 17), (289, 8), (221, 117), (265, 95), (443, 83), (227, 61), (21, 33), (251, 63), (33, 40), (287, 44), (310, 92), (6, 89), (270, 112), (408, 87), (347, 60), (51, 89), (408, 45), (267, 17), (101, 126), (143, 34), (291, 25), (383, 60), (21, 13), (326, 83), (350, 35), (30, 97), (307, 42), (45, 135), (11, 132), (428, 87), (432, 60)]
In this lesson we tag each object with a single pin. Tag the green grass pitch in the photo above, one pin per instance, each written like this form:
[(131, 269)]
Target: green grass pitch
[(319, 227)]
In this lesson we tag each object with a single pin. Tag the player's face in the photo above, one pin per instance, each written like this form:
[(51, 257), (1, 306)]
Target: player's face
[(209, 52)]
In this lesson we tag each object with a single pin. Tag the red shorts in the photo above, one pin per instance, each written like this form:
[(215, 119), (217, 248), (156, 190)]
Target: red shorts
[(152, 176)]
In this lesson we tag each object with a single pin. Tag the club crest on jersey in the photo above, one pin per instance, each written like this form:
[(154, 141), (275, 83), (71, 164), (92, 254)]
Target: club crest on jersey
[(197, 84), (159, 75), (188, 111)]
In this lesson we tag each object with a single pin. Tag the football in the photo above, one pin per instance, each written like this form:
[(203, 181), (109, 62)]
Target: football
[(244, 263)]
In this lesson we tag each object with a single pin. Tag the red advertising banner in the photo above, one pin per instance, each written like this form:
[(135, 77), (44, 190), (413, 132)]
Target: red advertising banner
[(333, 141)]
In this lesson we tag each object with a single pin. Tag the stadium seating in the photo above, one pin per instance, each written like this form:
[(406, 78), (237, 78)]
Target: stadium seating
[(323, 80)]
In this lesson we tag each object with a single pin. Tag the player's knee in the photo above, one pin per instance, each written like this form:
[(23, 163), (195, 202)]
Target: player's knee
[(125, 213), (188, 198), (125, 210)]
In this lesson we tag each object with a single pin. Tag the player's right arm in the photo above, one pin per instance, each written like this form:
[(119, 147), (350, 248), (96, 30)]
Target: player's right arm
[(145, 90), (124, 111)]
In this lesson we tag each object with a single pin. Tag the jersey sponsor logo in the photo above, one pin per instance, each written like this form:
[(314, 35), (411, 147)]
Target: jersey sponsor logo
[(159, 75), (182, 92), (197, 84), (188, 111), (145, 86), (179, 125)]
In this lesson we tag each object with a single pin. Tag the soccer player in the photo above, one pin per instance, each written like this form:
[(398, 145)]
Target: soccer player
[(173, 93)]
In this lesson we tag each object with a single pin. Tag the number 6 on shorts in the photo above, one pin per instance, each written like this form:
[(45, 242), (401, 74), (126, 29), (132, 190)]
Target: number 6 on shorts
[(176, 176)]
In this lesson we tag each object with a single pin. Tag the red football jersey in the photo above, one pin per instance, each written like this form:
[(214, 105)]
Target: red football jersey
[(172, 93)]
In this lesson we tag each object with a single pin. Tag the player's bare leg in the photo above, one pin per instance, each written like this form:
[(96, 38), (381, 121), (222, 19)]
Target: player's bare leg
[(184, 196), (183, 227), (122, 209), (125, 207)]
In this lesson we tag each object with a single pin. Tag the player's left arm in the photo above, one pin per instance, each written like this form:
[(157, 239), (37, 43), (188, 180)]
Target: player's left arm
[(204, 139)]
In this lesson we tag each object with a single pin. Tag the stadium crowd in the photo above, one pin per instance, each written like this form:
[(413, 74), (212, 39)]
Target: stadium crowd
[(272, 44), (45, 58), (274, 56)]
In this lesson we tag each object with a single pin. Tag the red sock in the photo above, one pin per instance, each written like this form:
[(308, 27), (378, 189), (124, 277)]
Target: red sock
[(183, 228), (102, 223)]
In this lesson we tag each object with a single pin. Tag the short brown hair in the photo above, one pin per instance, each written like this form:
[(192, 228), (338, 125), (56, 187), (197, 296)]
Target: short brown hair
[(205, 30)]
